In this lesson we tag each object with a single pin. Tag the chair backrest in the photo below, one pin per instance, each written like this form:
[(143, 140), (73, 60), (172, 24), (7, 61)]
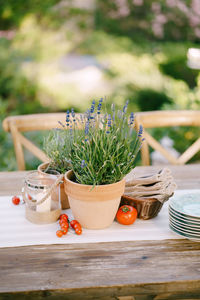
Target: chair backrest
[(158, 119), (36, 122), (16, 125)]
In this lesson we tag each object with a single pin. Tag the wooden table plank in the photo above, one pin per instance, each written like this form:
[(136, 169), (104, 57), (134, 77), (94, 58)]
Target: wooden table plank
[(168, 269), (133, 267)]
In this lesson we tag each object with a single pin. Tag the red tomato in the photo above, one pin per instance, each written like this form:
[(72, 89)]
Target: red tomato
[(15, 200), (78, 230), (59, 233), (73, 222), (64, 226), (77, 225), (126, 215), (64, 217), (64, 231), (63, 222)]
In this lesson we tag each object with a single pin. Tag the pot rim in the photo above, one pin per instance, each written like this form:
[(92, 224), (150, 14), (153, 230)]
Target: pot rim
[(42, 166), (89, 185)]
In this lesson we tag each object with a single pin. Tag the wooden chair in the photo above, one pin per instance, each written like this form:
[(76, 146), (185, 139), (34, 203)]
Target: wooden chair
[(37, 122), (158, 119)]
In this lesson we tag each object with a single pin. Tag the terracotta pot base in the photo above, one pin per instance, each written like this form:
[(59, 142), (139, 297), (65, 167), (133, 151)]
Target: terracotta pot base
[(94, 207)]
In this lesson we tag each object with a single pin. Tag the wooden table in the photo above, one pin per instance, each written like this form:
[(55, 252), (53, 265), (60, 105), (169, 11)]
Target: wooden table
[(168, 269)]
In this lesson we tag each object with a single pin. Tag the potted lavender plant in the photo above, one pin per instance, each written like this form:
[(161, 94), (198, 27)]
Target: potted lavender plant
[(100, 156), (57, 147)]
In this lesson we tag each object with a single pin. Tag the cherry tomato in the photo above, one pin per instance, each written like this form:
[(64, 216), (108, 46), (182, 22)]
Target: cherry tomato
[(59, 233), (78, 230), (77, 225), (126, 215), (64, 217), (64, 226), (15, 200), (73, 222), (29, 197), (64, 231), (63, 222)]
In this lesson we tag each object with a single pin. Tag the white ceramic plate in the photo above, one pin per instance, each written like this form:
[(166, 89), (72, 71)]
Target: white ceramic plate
[(184, 235), (185, 229), (186, 217), (188, 204), (183, 223), (183, 220)]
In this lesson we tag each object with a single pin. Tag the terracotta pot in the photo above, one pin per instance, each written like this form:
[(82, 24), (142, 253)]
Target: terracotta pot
[(63, 195), (94, 207)]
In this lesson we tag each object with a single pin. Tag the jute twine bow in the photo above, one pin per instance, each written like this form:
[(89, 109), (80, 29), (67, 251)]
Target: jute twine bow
[(33, 202)]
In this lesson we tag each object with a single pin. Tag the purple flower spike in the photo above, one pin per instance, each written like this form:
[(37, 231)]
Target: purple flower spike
[(109, 120), (140, 131), (92, 107), (87, 125), (67, 118), (132, 117), (83, 164), (125, 107), (99, 106)]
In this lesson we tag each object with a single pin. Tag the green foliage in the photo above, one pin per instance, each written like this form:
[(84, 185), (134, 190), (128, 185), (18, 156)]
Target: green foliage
[(178, 69), (18, 95), (182, 136), (7, 155), (12, 12), (57, 147), (148, 99), (106, 151)]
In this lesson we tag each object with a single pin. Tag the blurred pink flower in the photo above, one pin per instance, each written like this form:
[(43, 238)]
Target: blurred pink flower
[(123, 9), (196, 7), (171, 3), (157, 29), (138, 2), (194, 20), (197, 32), (156, 7)]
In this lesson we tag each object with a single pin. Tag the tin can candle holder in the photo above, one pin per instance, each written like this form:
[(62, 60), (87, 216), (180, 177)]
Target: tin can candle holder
[(42, 197)]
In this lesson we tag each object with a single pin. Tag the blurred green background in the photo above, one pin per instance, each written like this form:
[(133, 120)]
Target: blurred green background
[(58, 54)]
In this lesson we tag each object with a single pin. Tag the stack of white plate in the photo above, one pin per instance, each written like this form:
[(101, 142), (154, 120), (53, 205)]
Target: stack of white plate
[(184, 215)]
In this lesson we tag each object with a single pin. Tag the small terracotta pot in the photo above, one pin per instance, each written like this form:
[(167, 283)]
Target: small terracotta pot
[(94, 207), (63, 195)]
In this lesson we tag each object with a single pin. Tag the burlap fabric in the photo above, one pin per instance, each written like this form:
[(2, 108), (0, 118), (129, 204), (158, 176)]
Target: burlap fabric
[(158, 186)]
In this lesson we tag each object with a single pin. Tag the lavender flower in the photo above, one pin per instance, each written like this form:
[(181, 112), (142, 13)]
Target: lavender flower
[(67, 118), (140, 131), (132, 117), (92, 107), (99, 106), (73, 115), (83, 164), (125, 107), (87, 126)]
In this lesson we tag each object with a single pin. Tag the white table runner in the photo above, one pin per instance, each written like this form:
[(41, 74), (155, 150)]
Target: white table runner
[(15, 230)]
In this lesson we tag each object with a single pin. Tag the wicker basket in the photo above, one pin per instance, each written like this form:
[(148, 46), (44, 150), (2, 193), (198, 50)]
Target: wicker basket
[(147, 208)]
